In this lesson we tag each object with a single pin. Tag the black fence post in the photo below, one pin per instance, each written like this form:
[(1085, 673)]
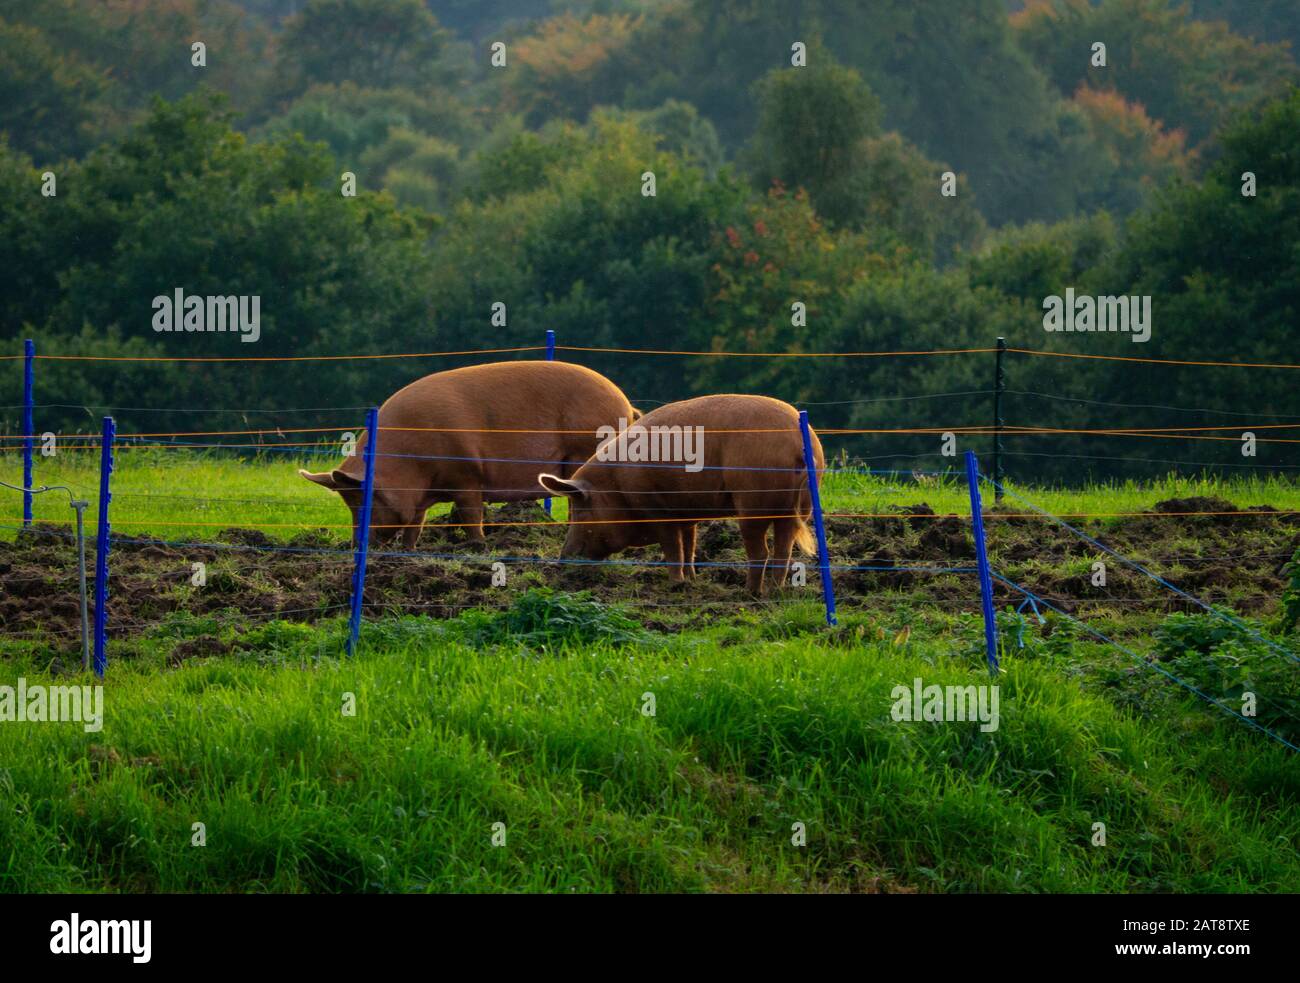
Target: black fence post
[(999, 387)]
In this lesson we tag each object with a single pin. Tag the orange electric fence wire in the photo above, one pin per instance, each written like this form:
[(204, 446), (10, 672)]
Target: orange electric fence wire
[(1130, 433), (1242, 426), (901, 432), (978, 429), (653, 351), (435, 525), (517, 430), (667, 351), (196, 433), (509, 430), (1157, 361), (271, 358), (710, 518)]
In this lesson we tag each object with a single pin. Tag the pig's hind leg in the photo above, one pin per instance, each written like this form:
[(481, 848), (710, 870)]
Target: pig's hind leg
[(671, 538), (783, 537), (753, 533), (688, 549)]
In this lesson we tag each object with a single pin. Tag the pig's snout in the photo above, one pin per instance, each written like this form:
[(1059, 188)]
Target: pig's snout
[(578, 546), (380, 535)]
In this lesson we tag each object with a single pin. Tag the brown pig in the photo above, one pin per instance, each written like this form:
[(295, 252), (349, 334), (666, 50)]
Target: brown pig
[(447, 438), (631, 492)]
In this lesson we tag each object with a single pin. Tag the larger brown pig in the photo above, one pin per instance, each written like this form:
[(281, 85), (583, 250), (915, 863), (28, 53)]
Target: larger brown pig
[(446, 438), (757, 477)]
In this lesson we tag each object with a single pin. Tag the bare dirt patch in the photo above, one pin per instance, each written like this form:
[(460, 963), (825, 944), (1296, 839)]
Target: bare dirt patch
[(1230, 557)]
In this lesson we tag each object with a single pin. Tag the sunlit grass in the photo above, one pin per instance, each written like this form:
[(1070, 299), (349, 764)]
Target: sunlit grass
[(747, 739), (185, 495)]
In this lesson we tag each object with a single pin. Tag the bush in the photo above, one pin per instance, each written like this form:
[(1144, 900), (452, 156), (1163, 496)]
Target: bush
[(1235, 665)]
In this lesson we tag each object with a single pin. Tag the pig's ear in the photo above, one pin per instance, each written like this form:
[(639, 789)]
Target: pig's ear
[(559, 486), (325, 478), (336, 480)]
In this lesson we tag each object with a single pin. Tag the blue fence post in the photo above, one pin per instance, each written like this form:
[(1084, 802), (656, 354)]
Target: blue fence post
[(550, 357), (29, 380), (982, 557), (101, 547), (823, 557), (363, 528)]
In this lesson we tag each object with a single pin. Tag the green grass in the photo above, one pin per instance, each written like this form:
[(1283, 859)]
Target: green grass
[(747, 739), (532, 717), (175, 495), (847, 492)]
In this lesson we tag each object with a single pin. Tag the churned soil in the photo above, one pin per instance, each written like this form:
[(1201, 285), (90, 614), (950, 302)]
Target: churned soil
[(1222, 555)]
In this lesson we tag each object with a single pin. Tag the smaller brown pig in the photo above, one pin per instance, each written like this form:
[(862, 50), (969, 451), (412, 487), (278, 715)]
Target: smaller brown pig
[(743, 459)]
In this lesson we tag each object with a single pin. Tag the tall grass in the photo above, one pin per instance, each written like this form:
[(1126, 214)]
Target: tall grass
[(452, 736)]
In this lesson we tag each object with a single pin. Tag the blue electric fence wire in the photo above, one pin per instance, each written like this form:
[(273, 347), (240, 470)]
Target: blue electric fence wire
[(672, 466), (892, 399), (333, 451), (185, 409), (259, 448), (1151, 460), (1029, 601), (1154, 576), (325, 449), (911, 472), (1151, 665), (1152, 406), (675, 465), (148, 444)]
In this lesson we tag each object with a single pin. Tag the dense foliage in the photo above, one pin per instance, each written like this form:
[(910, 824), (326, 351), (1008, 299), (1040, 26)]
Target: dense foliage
[(775, 185)]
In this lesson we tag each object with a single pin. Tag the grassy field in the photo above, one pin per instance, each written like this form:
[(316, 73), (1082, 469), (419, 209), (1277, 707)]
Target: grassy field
[(529, 710)]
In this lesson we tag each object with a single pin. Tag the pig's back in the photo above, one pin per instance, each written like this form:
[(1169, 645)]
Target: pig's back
[(752, 454), (495, 427), (726, 411), (509, 395), (740, 431)]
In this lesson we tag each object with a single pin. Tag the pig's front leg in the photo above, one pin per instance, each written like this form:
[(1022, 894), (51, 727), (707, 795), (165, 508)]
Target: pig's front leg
[(468, 509), (411, 532)]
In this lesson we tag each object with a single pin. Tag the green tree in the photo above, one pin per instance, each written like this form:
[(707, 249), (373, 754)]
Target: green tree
[(1220, 269), (1135, 154), (1188, 74), (1263, 20), (819, 129), (1209, 244), (420, 171), (812, 124), (183, 201), (569, 66), (951, 78), (681, 131), (352, 119), (136, 50), (379, 44), (560, 232), (52, 104)]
